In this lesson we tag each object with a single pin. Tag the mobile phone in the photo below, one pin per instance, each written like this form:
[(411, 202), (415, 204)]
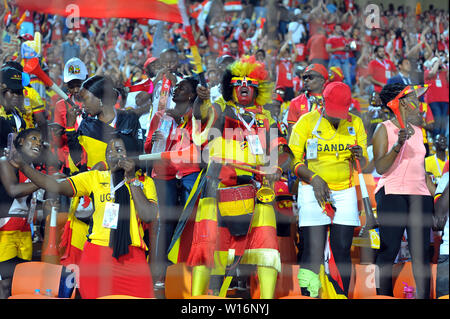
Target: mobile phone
[(10, 145)]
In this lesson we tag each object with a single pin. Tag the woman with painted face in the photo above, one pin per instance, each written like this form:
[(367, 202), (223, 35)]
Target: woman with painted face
[(324, 159), (16, 192), (113, 260), (232, 226), (403, 198)]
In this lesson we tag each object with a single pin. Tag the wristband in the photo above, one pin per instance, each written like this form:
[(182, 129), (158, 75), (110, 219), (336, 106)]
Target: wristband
[(310, 180)]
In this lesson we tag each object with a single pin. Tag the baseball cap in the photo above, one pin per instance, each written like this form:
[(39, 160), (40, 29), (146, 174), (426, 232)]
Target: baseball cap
[(337, 98), (336, 74), (12, 78), (319, 68), (75, 69)]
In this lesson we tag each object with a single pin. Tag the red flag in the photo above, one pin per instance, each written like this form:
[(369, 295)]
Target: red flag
[(166, 10)]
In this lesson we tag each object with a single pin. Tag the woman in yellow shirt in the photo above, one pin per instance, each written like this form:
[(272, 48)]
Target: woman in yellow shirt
[(113, 260), (321, 143)]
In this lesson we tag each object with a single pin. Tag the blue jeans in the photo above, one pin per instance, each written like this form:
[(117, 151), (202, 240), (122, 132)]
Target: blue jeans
[(439, 110), (172, 196), (442, 276), (344, 64)]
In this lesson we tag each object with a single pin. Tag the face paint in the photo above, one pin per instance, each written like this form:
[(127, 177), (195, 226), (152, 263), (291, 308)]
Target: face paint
[(244, 90)]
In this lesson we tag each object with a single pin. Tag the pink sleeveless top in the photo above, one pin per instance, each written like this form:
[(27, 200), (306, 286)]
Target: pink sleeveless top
[(407, 173)]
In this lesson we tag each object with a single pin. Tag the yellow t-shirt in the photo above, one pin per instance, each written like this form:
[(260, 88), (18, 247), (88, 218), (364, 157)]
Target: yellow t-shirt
[(431, 166), (96, 184), (333, 156)]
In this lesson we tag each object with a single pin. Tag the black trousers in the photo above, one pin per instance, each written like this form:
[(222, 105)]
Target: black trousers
[(395, 214), (314, 240)]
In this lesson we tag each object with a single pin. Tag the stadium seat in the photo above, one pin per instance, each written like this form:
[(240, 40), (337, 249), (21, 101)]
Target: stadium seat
[(379, 297), (210, 297), (120, 297), (178, 281), (296, 297), (287, 283), (364, 282), (402, 273), (443, 297), (30, 276)]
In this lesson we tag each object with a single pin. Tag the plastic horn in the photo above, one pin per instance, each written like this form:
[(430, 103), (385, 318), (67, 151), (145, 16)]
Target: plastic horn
[(186, 155), (32, 67), (50, 253), (368, 230), (395, 107)]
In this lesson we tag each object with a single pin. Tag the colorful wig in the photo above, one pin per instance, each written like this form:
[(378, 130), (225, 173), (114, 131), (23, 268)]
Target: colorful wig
[(248, 66)]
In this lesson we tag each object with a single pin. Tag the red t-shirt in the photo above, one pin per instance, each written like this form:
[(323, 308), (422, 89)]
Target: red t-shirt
[(316, 47), (180, 139), (381, 71), (301, 52), (336, 42), (438, 87), (284, 74), (60, 118), (299, 106)]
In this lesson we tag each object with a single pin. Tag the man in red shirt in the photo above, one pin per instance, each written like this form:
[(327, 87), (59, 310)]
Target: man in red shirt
[(314, 79), (337, 48), (437, 95), (285, 73), (315, 47), (75, 72), (380, 69)]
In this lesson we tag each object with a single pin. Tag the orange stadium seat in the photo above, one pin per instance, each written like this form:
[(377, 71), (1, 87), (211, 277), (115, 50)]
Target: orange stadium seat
[(178, 282), (287, 283), (30, 276), (364, 282), (120, 297)]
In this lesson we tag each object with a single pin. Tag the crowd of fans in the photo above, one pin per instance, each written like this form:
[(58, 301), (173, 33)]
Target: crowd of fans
[(304, 45)]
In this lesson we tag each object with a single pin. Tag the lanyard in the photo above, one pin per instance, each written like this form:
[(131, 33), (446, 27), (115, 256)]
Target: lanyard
[(114, 188), (314, 131), (248, 126), (384, 64)]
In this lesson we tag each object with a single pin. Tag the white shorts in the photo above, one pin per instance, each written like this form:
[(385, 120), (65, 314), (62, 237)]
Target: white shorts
[(310, 212)]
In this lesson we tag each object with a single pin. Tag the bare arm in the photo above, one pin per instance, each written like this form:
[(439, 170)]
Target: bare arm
[(384, 158), (46, 182), (11, 183)]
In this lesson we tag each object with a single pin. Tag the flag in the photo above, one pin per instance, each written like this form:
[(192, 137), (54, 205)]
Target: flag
[(165, 10), (233, 6)]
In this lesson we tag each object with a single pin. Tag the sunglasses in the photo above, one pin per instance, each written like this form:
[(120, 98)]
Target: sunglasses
[(239, 82), (310, 77)]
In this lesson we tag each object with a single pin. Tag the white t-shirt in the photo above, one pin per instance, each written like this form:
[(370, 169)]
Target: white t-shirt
[(297, 30)]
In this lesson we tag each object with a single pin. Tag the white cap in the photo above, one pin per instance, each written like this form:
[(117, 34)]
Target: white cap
[(75, 69), (297, 11)]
